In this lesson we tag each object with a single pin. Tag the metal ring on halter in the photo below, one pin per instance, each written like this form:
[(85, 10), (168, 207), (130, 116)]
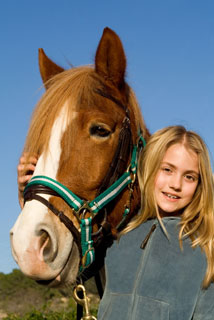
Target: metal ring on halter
[(96, 233), (132, 175), (83, 210), (83, 260)]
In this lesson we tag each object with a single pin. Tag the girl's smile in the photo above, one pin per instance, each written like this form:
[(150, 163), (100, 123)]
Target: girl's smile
[(171, 197), (177, 179)]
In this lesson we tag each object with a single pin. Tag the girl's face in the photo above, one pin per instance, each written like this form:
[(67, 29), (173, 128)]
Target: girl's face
[(176, 180)]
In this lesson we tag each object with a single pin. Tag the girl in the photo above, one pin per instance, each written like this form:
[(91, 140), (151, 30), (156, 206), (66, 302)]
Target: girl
[(163, 266)]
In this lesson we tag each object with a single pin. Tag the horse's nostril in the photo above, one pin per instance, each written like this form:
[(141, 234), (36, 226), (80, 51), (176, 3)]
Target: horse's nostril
[(43, 236), (45, 243), (47, 250)]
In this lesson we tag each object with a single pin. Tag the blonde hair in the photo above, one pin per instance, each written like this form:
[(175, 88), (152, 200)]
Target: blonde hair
[(197, 220)]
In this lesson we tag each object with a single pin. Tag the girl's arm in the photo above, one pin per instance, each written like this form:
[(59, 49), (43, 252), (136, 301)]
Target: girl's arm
[(25, 170)]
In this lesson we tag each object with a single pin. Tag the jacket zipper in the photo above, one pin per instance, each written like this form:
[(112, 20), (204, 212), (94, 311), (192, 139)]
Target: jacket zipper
[(144, 243)]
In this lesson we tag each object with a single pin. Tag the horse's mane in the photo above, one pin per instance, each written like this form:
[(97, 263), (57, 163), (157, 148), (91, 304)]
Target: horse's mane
[(69, 86)]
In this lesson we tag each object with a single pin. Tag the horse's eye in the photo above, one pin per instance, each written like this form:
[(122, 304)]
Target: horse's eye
[(99, 131)]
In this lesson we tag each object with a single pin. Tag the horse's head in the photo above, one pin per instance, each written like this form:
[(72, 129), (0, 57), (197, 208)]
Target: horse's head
[(85, 130)]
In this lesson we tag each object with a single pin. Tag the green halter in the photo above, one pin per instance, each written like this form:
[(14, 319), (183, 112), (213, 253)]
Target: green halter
[(80, 206)]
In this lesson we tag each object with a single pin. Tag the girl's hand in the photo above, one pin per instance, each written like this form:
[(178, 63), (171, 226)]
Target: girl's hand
[(25, 170)]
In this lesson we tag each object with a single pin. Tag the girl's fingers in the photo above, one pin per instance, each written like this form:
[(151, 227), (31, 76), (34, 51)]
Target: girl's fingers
[(25, 171), (22, 169), (26, 159)]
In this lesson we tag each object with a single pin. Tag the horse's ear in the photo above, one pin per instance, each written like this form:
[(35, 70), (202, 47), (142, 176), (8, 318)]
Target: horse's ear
[(47, 67), (110, 59)]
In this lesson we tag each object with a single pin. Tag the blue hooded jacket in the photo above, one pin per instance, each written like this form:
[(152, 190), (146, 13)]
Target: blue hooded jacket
[(157, 282)]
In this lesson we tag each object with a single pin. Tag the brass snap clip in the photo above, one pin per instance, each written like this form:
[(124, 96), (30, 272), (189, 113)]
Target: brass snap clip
[(83, 301)]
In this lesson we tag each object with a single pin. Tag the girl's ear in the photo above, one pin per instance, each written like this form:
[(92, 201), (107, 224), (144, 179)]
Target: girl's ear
[(47, 67)]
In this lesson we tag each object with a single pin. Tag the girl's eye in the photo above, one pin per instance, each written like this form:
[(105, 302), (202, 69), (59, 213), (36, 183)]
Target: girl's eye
[(166, 169), (190, 177), (99, 131)]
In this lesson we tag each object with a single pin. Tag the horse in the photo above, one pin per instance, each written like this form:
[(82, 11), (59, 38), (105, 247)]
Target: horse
[(88, 131)]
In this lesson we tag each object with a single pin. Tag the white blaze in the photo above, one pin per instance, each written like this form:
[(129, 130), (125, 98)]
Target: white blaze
[(34, 215), (49, 166)]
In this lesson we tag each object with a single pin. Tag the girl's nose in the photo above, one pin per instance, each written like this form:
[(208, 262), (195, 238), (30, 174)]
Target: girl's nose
[(176, 182)]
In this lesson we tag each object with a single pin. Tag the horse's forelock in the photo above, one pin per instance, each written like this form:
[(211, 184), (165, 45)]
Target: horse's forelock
[(66, 86), (69, 86)]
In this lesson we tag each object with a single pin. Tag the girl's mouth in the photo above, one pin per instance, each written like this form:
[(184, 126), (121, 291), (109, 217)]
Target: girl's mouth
[(171, 196)]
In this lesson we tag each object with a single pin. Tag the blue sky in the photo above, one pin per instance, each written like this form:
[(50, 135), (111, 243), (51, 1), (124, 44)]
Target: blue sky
[(169, 46)]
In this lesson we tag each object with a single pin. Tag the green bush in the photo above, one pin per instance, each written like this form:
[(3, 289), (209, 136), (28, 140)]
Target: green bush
[(23, 299)]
